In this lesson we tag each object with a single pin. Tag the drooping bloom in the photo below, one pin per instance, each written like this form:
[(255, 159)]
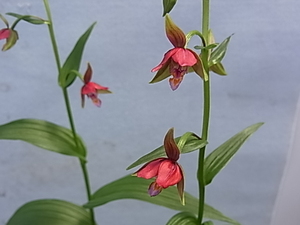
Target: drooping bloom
[(166, 170), (11, 37), (92, 89), (179, 60)]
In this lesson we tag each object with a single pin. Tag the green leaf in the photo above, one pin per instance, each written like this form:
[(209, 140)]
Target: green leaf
[(218, 69), (218, 159), (192, 143), (183, 218), (208, 223), (168, 6), (50, 212), (130, 187), (30, 19), (44, 134), (218, 54), (66, 77)]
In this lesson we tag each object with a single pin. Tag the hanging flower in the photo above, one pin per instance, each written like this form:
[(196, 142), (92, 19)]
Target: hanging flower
[(92, 89), (166, 170), (179, 60), (10, 35)]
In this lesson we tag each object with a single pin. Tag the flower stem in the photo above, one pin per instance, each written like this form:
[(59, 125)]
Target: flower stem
[(68, 106), (206, 111)]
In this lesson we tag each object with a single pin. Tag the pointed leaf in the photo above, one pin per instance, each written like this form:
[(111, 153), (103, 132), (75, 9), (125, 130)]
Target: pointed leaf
[(30, 19), (43, 134), (183, 218), (50, 212), (168, 6), (218, 69), (130, 187), (192, 143), (218, 54), (218, 159), (208, 223), (66, 77)]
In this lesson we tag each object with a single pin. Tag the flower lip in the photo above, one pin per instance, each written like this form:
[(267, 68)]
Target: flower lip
[(5, 33)]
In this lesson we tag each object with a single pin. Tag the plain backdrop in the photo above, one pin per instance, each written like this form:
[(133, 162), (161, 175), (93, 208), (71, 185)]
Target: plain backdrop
[(128, 41)]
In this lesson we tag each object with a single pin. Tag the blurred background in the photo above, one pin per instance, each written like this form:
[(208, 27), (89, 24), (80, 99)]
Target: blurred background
[(128, 41)]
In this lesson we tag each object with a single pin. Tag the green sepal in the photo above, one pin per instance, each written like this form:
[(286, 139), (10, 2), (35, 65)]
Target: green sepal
[(168, 6), (183, 218), (192, 143), (131, 187), (50, 212), (30, 19), (218, 69), (218, 54), (66, 76), (45, 135), (218, 159)]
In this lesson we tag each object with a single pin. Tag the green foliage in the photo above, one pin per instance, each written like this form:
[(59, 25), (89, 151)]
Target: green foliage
[(50, 212), (66, 76), (44, 134), (130, 187), (218, 54), (183, 218), (192, 143), (218, 159), (168, 6), (218, 69), (208, 223), (28, 18)]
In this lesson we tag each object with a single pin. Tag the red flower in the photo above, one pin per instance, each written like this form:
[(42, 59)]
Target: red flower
[(166, 170), (179, 60), (92, 89), (11, 37)]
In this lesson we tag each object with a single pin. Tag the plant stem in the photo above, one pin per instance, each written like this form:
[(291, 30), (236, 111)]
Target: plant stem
[(68, 106), (206, 111)]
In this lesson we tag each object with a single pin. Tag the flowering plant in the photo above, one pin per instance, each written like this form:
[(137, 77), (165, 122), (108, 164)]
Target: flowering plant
[(161, 166)]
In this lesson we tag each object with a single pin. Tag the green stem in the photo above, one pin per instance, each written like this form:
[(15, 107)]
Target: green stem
[(206, 111), (68, 106)]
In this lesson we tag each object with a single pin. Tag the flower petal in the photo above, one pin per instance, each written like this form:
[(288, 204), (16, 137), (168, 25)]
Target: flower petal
[(88, 89), (154, 189), (171, 148), (88, 74), (169, 173), (174, 33), (97, 102), (97, 86), (185, 57), (4, 33), (198, 67), (166, 59), (150, 169), (175, 82)]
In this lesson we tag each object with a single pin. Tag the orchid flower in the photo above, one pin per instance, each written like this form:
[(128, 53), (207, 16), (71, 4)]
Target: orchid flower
[(92, 89), (179, 60), (166, 170)]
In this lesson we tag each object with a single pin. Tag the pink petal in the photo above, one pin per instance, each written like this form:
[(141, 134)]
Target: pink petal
[(154, 189), (166, 58), (97, 86), (88, 89), (184, 57), (4, 33), (150, 169), (169, 173)]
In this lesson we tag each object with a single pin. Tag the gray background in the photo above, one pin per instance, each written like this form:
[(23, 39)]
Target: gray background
[(128, 41)]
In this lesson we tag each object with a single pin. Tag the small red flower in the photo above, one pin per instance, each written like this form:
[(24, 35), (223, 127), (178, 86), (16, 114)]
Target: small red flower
[(11, 37), (166, 170), (92, 89), (179, 60)]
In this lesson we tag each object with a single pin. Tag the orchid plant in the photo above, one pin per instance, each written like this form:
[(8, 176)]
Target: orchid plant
[(155, 181)]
